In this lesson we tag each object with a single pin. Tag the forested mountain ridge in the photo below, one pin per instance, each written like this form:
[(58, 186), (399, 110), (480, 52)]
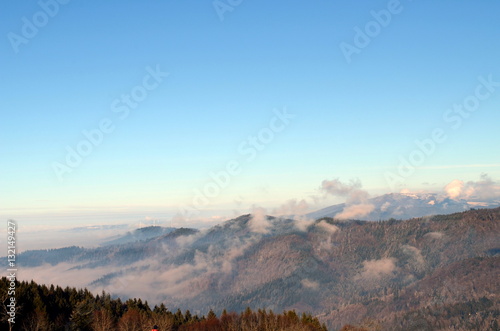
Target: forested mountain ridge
[(393, 272), (126, 251)]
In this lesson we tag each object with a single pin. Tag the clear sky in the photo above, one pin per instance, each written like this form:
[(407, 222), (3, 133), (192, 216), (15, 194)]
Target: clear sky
[(356, 102)]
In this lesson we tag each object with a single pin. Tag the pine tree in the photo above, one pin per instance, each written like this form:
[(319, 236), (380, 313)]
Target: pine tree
[(211, 315), (81, 317)]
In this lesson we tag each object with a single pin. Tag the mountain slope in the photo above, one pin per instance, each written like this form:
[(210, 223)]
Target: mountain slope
[(389, 271)]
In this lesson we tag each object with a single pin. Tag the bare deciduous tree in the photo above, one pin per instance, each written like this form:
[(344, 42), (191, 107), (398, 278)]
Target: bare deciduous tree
[(103, 320)]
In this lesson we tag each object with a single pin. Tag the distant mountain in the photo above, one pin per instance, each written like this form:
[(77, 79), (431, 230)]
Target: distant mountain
[(90, 228), (429, 273), (118, 254), (403, 206), (140, 234)]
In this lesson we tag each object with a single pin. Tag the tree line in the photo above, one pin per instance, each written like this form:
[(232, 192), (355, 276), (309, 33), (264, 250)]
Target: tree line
[(41, 307)]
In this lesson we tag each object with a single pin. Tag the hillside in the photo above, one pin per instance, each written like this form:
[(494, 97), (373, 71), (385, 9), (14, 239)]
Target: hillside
[(423, 273)]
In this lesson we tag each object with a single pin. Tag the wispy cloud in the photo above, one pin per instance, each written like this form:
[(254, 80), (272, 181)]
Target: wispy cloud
[(458, 166), (357, 203), (258, 222), (375, 269)]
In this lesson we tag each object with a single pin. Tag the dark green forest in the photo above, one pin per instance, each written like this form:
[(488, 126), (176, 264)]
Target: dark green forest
[(39, 307)]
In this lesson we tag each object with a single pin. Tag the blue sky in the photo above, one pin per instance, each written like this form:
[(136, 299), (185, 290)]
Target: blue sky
[(226, 81)]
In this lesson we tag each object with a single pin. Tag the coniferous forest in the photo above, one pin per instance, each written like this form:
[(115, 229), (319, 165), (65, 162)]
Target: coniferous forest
[(41, 308)]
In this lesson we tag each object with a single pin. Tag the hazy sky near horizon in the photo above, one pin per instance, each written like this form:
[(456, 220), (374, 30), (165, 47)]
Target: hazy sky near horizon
[(230, 104)]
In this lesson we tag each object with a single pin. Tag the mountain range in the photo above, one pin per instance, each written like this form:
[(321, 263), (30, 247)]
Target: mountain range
[(406, 206), (415, 274)]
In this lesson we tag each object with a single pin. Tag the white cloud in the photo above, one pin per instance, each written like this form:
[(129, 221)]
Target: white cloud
[(416, 254), (376, 269), (258, 222), (337, 188), (292, 207), (454, 189), (311, 284), (356, 211), (297, 209), (357, 203), (330, 228), (485, 189), (434, 235), (385, 206)]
